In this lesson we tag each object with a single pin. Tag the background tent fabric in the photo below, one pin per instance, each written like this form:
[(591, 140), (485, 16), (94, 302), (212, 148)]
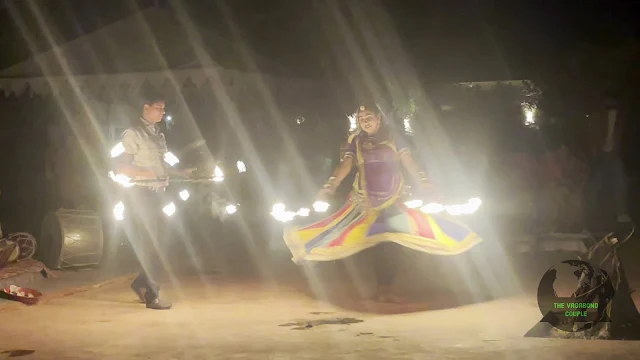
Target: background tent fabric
[(150, 40), (152, 45)]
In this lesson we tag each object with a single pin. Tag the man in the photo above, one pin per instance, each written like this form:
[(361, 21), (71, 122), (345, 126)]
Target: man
[(607, 180), (143, 160)]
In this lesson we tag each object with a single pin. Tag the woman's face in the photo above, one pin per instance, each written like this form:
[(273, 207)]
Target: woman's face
[(369, 121)]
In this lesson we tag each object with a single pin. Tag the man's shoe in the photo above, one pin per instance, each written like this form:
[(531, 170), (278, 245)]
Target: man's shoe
[(158, 304)]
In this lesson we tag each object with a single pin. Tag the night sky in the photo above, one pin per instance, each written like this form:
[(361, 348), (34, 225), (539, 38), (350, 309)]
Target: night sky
[(454, 40)]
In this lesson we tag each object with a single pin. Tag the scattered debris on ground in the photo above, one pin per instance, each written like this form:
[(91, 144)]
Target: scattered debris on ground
[(309, 324)]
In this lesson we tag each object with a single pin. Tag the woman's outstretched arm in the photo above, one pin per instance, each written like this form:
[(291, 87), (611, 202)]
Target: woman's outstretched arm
[(339, 174), (342, 170)]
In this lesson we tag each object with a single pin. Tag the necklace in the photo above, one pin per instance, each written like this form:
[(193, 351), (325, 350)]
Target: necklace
[(369, 142)]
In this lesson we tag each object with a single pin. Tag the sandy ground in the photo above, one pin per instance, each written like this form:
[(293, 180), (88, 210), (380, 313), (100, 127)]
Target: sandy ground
[(214, 318), (283, 315)]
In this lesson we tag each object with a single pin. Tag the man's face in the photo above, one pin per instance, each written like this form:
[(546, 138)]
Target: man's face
[(154, 113), (369, 121)]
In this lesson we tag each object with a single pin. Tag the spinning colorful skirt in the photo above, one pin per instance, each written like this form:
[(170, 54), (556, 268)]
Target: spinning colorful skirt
[(375, 213)]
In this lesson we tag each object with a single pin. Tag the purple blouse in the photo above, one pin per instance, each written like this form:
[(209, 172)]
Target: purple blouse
[(380, 173)]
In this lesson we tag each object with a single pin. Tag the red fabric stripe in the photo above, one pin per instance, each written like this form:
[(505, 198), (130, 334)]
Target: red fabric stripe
[(345, 232), (424, 228)]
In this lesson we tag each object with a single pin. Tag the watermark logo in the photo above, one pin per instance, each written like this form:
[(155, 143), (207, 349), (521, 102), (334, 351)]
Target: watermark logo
[(582, 309)]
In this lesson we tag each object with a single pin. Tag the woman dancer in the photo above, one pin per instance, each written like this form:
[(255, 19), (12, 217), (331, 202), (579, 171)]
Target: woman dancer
[(375, 214)]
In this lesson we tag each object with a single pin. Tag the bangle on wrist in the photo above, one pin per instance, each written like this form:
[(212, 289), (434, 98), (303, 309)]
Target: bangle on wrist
[(330, 183)]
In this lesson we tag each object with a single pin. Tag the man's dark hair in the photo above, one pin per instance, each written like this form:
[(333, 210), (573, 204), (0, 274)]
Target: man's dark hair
[(150, 97), (145, 97)]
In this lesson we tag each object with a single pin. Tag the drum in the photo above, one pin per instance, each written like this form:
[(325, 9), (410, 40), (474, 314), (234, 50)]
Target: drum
[(71, 238)]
